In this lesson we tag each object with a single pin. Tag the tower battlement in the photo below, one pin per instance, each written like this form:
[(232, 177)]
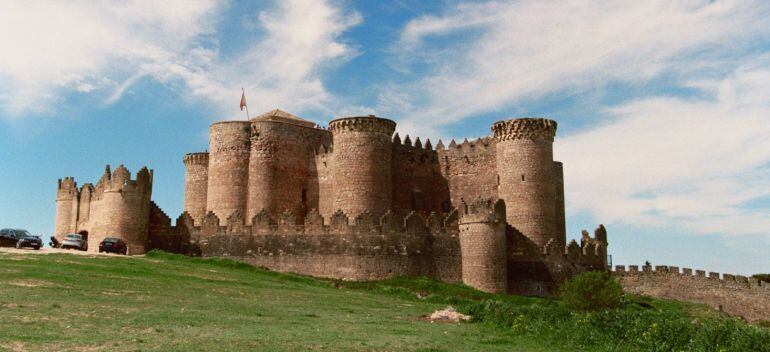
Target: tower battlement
[(369, 123), (66, 188), (120, 181), (482, 210), (201, 158), (525, 128)]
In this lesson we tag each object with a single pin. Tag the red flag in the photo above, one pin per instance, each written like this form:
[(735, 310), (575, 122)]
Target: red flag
[(243, 100)]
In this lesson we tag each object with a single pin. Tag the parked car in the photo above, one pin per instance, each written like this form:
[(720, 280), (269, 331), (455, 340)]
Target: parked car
[(74, 241), (113, 245), (26, 239), (19, 238), (8, 238)]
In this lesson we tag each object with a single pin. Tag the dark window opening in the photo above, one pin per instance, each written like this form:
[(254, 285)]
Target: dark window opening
[(417, 200), (522, 177), (304, 196), (446, 206)]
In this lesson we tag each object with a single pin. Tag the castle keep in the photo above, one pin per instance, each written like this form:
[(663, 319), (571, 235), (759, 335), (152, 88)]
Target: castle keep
[(356, 201)]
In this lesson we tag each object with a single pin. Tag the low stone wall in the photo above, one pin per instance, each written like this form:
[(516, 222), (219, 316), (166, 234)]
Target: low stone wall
[(344, 256), (734, 294)]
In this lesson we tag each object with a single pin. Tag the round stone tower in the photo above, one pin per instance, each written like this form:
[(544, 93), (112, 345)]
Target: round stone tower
[(228, 170), (66, 207), (122, 210), (483, 245), (196, 178), (527, 177), (362, 164)]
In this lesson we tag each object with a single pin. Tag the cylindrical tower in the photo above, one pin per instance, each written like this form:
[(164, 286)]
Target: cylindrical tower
[(228, 168), (66, 207), (123, 209), (362, 164), (526, 176), (483, 245), (196, 178), (265, 161)]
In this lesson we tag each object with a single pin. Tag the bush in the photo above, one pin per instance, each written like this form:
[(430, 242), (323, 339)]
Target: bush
[(594, 290), (762, 277)]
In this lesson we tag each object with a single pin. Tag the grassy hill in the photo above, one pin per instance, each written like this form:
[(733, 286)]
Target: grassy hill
[(165, 302)]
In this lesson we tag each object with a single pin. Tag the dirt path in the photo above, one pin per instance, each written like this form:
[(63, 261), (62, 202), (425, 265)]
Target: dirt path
[(57, 250)]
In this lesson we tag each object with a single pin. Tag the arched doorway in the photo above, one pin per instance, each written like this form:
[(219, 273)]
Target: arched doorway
[(84, 233)]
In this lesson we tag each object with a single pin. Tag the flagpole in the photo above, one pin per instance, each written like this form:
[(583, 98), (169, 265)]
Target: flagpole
[(248, 117)]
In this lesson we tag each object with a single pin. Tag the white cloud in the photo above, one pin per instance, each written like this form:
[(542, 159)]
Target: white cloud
[(483, 57), (692, 163), (698, 160), (53, 48)]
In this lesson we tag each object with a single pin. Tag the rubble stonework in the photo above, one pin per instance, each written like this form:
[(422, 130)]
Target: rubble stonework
[(356, 201)]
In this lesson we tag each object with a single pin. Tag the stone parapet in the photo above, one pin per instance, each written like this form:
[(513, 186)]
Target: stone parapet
[(525, 128), (196, 159), (735, 294), (371, 124)]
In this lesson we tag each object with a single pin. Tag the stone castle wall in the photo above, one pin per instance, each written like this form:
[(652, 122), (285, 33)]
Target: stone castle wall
[(473, 246), (418, 184), (364, 248), (735, 294)]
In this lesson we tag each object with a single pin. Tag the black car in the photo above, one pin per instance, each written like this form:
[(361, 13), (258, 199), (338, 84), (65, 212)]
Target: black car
[(19, 238), (113, 245)]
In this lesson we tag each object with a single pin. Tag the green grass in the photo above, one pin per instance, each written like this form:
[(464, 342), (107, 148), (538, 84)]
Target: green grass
[(165, 302)]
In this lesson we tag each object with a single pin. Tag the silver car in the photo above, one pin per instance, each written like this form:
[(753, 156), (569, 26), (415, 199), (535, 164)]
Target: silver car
[(74, 240)]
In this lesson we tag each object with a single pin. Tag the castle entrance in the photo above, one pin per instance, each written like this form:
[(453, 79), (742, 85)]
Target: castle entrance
[(84, 234)]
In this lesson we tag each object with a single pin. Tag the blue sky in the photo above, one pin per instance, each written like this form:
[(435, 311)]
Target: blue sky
[(663, 106)]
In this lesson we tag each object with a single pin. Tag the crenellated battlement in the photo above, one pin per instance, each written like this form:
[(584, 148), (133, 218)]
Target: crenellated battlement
[(710, 276), (417, 145), (314, 224), (120, 181), (482, 210), (525, 128), (201, 158), (734, 294), (324, 149), (478, 147), (369, 123), (66, 188)]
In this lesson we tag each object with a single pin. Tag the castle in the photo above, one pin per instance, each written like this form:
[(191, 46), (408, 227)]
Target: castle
[(355, 201)]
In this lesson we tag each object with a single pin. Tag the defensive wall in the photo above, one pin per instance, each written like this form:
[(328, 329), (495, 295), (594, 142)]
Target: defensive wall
[(734, 294), (453, 247)]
